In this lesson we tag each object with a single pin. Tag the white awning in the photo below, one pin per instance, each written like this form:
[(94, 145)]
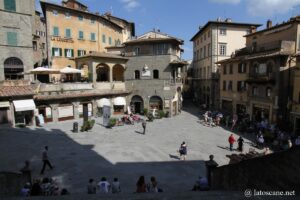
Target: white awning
[(44, 70), (119, 101), (103, 102), (24, 105), (69, 70), (4, 104)]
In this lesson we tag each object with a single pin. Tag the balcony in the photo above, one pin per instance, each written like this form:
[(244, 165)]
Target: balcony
[(261, 78), (118, 86), (44, 87)]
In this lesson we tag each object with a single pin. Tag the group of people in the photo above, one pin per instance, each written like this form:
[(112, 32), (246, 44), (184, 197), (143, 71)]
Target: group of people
[(105, 187), (44, 187), (212, 119)]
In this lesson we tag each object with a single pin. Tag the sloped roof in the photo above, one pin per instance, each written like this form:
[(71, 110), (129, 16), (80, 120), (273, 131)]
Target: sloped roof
[(9, 91)]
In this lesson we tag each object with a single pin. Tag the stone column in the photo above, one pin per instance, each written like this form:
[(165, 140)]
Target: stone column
[(94, 107), (111, 73), (92, 68), (54, 110), (75, 109), (12, 114)]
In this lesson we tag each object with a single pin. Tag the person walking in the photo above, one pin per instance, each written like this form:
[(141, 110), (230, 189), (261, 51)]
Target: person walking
[(231, 141), (183, 151), (144, 126), (240, 144), (45, 160), (210, 165), (234, 121)]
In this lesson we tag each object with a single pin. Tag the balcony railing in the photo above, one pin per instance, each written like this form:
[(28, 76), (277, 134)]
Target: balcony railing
[(261, 78), (173, 82)]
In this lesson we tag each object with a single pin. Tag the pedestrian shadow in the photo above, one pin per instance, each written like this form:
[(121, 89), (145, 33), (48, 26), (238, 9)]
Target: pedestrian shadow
[(174, 157), (139, 132), (226, 148)]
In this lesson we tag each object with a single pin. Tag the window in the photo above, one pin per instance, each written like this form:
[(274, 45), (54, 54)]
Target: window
[(103, 39), (242, 68), (197, 55), (12, 39), (254, 91), (93, 37), (299, 98), (222, 31), (241, 86), (81, 52), (161, 49), (208, 34), (67, 15), (69, 53), (230, 86), (204, 51), (201, 53), (54, 12), (10, 5), (80, 35), (34, 45), (68, 33), (268, 92), (13, 68), (56, 52), (231, 69), (117, 42), (224, 85), (55, 31), (80, 17), (137, 51), (155, 74), (137, 74), (269, 68), (92, 21), (204, 36), (208, 50), (222, 49), (109, 41), (43, 46), (225, 69)]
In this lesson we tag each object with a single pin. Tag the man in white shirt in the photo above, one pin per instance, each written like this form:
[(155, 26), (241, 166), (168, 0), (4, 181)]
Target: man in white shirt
[(103, 186)]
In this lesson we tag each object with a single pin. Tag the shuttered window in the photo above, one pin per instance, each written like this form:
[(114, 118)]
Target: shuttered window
[(55, 31), (56, 52), (103, 38), (69, 53), (68, 33), (80, 35), (93, 36), (10, 5), (109, 41), (12, 38)]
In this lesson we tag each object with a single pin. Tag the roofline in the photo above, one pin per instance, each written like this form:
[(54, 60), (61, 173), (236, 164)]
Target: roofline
[(43, 4), (237, 24), (151, 40), (273, 27), (103, 56)]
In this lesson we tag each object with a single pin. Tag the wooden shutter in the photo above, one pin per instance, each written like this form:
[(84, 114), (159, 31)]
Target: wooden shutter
[(12, 38), (66, 51), (53, 51), (72, 52), (78, 53), (60, 52), (10, 5)]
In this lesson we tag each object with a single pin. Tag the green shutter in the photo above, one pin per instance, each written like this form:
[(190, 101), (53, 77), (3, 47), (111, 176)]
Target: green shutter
[(78, 53), (55, 31), (81, 35), (10, 5), (68, 33), (12, 38), (60, 52), (66, 52), (72, 53), (84, 52), (103, 38), (53, 50), (109, 40)]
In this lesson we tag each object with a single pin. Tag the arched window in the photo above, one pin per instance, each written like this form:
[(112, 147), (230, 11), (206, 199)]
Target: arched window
[(155, 74), (268, 92), (13, 68), (137, 74), (102, 71), (118, 73)]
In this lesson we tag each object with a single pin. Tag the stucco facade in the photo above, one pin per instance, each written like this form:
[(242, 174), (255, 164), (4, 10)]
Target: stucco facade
[(216, 41)]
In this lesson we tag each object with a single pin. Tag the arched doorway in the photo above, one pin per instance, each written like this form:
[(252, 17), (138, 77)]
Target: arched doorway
[(102, 71), (118, 73), (13, 68), (137, 104), (156, 102)]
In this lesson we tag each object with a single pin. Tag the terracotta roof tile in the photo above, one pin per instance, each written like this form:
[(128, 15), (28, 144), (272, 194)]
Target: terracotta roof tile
[(8, 91)]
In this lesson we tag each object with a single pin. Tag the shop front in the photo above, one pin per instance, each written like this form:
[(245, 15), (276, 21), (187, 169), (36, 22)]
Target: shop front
[(119, 105), (24, 112), (100, 103), (46, 112), (261, 112), (65, 112), (4, 112)]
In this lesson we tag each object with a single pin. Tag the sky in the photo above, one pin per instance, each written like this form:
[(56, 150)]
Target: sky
[(182, 18)]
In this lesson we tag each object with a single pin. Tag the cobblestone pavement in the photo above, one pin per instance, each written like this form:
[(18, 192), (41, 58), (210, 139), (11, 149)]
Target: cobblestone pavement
[(118, 152)]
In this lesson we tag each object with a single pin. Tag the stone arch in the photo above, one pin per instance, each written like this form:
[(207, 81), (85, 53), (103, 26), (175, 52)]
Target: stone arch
[(156, 102), (118, 73), (13, 68), (103, 72), (137, 104)]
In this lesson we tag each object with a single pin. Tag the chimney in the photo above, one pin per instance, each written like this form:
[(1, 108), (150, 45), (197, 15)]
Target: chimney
[(269, 24), (253, 29)]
